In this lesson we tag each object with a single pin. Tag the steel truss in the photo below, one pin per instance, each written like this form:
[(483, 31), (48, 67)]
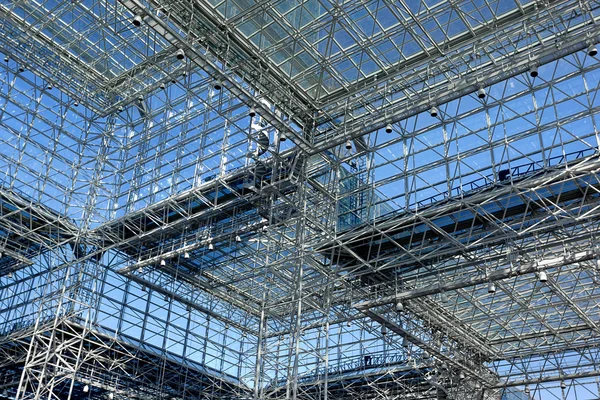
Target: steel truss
[(160, 237)]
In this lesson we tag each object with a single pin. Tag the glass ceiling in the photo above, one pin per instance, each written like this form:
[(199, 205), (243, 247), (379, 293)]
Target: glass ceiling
[(100, 122)]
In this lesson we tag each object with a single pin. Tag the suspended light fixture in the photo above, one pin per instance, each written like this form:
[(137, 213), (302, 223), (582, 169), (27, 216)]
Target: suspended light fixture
[(405, 342), (533, 72), (21, 68), (163, 263), (10, 274), (120, 109), (399, 306), (389, 128), (481, 93), (563, 385), (526, 390), (76, 103), (443, 297), (137, 20), (592, 51), (162, 86), (348, 324), (180, 54), (86, 389), (186, 255), (49, 86), (265, 228), (252, 113), (491, 287), (238, 238), (349, 145), (111, 396), (217, 86), (383, 330), (543, 276), (211, 246), (6, 59), (433, 112), (143, 288), (140, 98), (461, 375), (282, 137)]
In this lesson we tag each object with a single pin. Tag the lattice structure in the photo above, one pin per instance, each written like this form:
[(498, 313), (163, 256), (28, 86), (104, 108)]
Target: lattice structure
[(246, 199)]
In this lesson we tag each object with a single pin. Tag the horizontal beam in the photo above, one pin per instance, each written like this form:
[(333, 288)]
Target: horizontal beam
[(496, 275)]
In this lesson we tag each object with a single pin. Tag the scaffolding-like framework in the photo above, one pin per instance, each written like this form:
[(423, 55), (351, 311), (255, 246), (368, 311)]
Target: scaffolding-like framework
[(240, 199)]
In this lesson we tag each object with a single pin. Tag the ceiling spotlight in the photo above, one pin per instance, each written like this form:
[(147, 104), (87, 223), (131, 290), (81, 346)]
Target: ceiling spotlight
[(238, 238), (186, 255), (180, 54), (10, 274), (526, 390), (217, 86), (120, 109), (143, 288), (137, 20), (282, 137), (383, 330), (76, 103), (543, 276), (348, 324), (49, 86), (399, 306), (6, 59), (388, 128), (140, 98), (433, 112), (461, 375), (563, 385), (86, 389), (163, 263), (162, 86), (481, 93), (21, 68), (252, 113), (111, 396), (592, 51), (349, 145), (173, 80), (491, 287), (405, 342), (265, 228), (211, 246), (533, 72), (140, 269)]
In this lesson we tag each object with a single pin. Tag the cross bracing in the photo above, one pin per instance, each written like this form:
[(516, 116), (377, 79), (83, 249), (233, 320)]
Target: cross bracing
[(160, 237)]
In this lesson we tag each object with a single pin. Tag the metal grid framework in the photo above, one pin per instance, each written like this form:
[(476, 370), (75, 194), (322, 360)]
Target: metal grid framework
[(282, 199)]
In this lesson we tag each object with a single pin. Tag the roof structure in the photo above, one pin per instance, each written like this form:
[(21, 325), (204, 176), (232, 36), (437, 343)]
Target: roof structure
[(285, 199)]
